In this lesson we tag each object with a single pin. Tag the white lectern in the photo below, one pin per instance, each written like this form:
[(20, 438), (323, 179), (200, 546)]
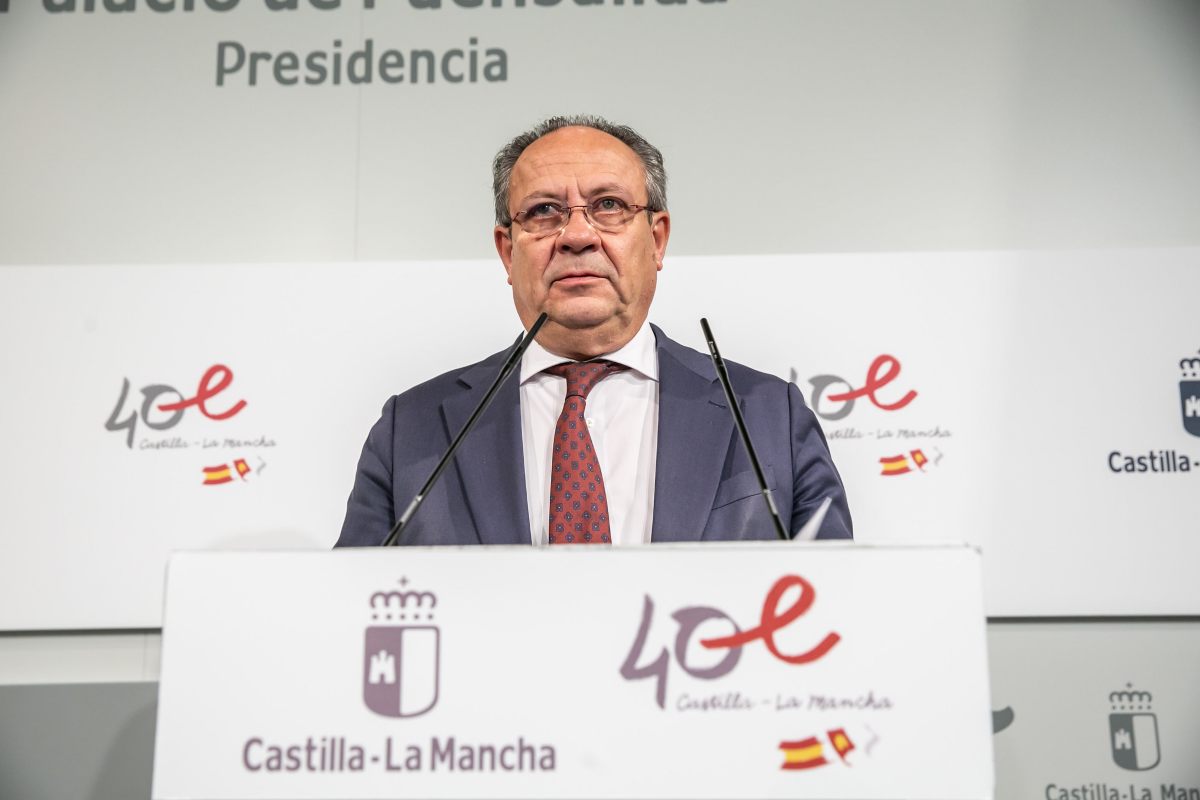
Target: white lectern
[(824, 670)]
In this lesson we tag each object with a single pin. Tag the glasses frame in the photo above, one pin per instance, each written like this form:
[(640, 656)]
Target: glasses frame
[(636, 208)]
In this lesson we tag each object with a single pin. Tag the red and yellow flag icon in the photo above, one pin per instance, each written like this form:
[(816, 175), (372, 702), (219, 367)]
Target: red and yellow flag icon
[(217, 475), (894, 465), (809, 753), (803, 754), (223, 473), (919, 458), (841, 742)]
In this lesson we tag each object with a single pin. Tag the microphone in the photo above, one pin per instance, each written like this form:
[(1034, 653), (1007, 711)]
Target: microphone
[(510, 364), (731, 398)]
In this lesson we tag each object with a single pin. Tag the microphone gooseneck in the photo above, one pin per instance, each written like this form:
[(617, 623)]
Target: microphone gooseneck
[(731, 398), (510, 364)]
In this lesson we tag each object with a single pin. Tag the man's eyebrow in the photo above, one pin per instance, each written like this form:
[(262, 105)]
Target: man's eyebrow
[(542, 194), (609, 188)]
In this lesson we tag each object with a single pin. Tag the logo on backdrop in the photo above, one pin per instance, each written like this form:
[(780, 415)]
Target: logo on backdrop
[(903, 450), (1189, 394), (810, 753), (1134, 744), (151, 424), (883, 370), (1133, 729), (904, 463), (1160, 459), (402, 660)]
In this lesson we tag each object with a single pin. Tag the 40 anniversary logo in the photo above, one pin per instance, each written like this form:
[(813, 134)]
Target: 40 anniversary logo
[(902, 450), (690, 619), (803, 753), (163, 407)]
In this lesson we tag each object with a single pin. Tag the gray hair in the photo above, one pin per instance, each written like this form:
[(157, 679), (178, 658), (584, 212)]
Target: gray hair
[(650, 156)]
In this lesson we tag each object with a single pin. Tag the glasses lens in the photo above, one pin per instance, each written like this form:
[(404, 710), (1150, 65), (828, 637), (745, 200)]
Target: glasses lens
[(542, 218), (609, 213)]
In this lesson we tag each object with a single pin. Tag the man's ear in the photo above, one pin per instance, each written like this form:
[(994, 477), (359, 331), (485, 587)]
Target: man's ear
[(504, 244), (660, 230)]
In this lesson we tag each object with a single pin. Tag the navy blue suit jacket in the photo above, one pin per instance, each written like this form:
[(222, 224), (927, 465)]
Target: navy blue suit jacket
[(704, 486)]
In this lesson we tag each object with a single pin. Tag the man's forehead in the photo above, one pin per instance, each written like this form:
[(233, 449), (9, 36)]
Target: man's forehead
[(578, 153)]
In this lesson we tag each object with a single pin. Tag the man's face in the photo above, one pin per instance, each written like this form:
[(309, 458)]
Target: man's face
[(596, 287)]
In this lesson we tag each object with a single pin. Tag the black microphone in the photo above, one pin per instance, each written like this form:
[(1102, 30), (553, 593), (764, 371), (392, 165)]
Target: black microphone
[(723, 376), (510, 364)]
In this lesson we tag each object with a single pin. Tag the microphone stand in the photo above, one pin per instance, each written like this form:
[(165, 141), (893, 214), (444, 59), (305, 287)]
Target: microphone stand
[(723, 376), (510, 364)]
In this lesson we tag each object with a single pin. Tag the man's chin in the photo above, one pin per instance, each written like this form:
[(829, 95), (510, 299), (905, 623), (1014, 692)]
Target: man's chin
[(581, 315)]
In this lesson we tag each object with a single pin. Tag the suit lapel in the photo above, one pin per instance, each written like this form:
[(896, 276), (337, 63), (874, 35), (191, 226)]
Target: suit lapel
[(490, 462), (694, 434)]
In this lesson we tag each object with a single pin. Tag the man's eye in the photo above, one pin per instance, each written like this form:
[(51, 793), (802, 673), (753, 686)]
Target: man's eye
[(543, 210), (608, 204)]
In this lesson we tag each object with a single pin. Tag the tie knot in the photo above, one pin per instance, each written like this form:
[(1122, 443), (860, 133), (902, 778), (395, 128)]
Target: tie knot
[(583, 376)]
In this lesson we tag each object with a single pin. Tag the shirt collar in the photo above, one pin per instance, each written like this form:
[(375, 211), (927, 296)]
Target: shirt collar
[(639, 354)]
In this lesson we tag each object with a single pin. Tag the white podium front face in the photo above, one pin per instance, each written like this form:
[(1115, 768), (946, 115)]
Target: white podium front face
[(827, 670)]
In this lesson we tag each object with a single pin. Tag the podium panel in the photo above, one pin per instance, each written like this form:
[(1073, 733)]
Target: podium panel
[(770, 670)]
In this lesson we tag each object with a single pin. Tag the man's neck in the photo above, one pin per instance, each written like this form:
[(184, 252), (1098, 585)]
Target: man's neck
[(584, 345), (639, 354)]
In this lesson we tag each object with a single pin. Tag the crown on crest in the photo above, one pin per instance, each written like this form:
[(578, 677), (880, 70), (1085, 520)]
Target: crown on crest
[(1130, 699), (402, 604), (1190, 366)]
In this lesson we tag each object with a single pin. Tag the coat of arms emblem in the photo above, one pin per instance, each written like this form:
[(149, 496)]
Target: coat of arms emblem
[(401, 664), (1189, 394), (1133, 729)]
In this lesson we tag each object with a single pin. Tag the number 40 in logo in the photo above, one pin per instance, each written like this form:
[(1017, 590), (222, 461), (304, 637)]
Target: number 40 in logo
[(214, 381), (689, 619)]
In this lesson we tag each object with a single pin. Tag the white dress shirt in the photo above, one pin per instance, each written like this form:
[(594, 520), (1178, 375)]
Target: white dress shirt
[(622, 417)]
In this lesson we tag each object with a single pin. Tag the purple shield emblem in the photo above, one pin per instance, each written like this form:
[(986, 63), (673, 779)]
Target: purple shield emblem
[(1189, 405), (1134, 740), (402, 662), (1133, 729)]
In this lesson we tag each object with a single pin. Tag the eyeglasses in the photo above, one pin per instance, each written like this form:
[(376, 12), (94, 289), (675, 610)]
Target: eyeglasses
[(608, 215)]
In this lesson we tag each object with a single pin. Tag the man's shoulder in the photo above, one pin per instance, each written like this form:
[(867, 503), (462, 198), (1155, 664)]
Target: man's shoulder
[(450, 382)]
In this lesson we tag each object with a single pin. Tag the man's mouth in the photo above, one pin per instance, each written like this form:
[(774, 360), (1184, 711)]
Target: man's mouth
[(578, 278)]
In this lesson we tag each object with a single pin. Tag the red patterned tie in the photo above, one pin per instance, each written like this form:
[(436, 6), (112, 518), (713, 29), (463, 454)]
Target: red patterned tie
[(578, 499)]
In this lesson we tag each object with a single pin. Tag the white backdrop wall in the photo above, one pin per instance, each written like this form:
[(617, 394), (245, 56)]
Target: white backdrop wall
[(1030, 403), (789, 126), (158, 221)]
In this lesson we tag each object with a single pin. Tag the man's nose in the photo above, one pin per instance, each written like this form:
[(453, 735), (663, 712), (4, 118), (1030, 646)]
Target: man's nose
[(578, 235)]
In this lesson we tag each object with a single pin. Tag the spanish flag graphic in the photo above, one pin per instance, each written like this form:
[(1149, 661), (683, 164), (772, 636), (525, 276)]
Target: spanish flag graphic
[(841, 742), (802, 754), (217, 475), (919, 458), (242, 468), (894, 465)]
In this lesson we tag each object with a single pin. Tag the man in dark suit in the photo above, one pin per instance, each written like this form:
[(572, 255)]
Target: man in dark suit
[(613, 432)]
